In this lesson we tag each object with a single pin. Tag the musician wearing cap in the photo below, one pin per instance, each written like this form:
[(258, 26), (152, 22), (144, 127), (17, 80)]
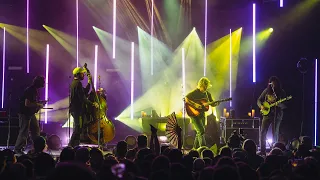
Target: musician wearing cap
[(29, 106), (78, 103), (198, 120)]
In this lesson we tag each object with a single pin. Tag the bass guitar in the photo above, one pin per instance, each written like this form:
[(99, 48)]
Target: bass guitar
[(199, 107), (267, 106)]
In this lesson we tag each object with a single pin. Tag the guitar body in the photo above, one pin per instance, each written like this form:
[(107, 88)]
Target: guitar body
[(193, 111), (266, 111), (268, 106)]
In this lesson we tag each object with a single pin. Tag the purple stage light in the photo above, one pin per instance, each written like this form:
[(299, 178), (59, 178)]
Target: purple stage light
[(230, 66), (28, 55), (254, 43), (3, 66), (77, 15), (316, 102), (95, 65), (281, 3), (47, 85), (132, 78), (205, 39)]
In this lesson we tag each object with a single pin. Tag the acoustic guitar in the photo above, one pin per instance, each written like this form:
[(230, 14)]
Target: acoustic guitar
[(267, 106), (193, 111)]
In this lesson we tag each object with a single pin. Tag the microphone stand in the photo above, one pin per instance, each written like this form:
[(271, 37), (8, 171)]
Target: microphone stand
[(9, 121)]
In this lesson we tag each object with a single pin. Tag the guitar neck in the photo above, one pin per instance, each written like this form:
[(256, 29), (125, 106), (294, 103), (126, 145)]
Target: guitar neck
[(280, 101)]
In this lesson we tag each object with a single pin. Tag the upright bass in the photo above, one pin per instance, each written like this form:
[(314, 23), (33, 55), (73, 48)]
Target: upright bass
[(99, 127)]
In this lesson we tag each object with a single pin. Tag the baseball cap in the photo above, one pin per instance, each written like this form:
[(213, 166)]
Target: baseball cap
[(78, 70)]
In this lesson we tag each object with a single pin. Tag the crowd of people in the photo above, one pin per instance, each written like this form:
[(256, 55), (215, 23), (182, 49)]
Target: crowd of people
[(299, 160)]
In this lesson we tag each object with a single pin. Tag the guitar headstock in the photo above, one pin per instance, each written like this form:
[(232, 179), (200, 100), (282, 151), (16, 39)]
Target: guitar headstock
[(289, 97), (227, 99), (85, 66)]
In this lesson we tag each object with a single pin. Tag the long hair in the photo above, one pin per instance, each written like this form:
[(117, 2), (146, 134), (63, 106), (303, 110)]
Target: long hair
[(277, 85), (38, 81)]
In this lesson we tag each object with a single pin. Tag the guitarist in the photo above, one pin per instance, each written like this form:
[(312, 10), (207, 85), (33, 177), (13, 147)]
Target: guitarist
[(271, 94), (78, 102), (29, 105), (199, 121)]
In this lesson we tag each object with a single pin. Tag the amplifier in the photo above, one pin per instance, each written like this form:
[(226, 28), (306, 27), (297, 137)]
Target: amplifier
[(241, 123), (249, 128)]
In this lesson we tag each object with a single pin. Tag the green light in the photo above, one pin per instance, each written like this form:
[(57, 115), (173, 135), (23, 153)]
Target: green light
[(271, 30)]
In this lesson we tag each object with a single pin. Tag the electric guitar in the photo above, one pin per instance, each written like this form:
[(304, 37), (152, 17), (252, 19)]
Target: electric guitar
[(193, 110), (267, 106), (35, 110)]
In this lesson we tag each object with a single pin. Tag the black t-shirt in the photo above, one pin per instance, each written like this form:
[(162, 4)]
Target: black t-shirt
[(198, 95), (31, 93), (78, 97)]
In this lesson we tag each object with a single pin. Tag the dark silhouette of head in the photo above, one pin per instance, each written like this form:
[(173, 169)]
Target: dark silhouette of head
[(121, 149), (226, 172), (207, 153), (142, 141), (38, 82), (226, 151), (43, 164), (250, 147), (82, 155), (67, 154), (160, 163), (72, 171), (39, 143)]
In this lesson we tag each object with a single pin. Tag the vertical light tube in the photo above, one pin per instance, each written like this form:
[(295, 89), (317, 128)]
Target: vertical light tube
[(47, 85), (77, 15), (230, 80), (152, 27), (28, 60), (3, 66), (95, 65), (183, 78), (205, 39), (132, 77), (114, 29), (316, 103), (281, 3), (254, 43)]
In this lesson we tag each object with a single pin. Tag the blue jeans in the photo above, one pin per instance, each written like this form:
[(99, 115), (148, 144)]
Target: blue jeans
[(199, 125)]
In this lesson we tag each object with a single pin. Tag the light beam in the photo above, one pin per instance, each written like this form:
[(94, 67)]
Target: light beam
[(183, 79), (205, 39), (152, 4), (47, 85), (315, 102), (77, 11), (114, 29), (3, 65), (28, 60), (230, 66), (132, 78), (254, 43), (281, 3)]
